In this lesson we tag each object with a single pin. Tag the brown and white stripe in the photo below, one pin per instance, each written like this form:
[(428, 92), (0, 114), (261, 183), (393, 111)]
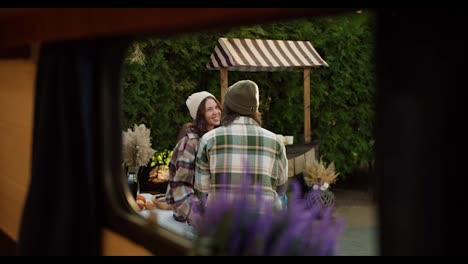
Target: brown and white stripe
[(263, 55)]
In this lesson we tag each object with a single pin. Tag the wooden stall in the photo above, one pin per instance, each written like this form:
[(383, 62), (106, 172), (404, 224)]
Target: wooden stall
[(255, 55)]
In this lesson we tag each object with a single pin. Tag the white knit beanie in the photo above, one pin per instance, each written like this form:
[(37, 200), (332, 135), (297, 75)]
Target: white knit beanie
[(194, 101)]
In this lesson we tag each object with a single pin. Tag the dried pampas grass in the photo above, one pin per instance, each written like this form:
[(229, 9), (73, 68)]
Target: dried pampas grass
[(317, 173), (137, 149)]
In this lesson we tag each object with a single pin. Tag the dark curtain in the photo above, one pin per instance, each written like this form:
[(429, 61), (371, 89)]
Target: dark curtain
[(62, 212), (420, 141)]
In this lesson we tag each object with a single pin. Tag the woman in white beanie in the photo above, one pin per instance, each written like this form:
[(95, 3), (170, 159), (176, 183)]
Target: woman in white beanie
[(205, 111)]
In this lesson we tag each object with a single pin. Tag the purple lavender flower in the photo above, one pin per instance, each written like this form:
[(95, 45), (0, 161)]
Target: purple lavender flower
[(246, 224)]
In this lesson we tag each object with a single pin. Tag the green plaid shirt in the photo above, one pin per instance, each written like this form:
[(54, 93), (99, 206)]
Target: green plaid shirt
[(227, 154)]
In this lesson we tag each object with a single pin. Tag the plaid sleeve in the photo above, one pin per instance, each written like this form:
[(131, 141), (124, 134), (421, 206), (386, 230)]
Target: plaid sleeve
[(180, 186), (202, 171), (282, 180)]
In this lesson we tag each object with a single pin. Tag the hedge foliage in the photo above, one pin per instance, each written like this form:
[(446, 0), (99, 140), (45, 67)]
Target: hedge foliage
[(160, 73)]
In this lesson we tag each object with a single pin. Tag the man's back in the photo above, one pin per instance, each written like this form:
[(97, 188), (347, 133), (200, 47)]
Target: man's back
[(241, 151)]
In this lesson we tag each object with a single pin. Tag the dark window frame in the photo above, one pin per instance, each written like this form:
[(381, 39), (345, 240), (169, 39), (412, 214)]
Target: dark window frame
[(119, 214)]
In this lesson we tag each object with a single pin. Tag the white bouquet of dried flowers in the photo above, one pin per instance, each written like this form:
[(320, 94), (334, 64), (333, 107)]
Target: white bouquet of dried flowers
[(136, 148), (318, 175)]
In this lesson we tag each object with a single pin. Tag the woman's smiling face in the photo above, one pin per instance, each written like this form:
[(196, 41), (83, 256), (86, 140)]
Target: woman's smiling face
[(212, 114)]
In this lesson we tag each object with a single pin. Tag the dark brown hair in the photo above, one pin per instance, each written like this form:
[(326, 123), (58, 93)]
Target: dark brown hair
[(199, 124), (229, 115)]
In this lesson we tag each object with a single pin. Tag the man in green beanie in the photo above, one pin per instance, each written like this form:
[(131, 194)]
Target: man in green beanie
[(240, 151)]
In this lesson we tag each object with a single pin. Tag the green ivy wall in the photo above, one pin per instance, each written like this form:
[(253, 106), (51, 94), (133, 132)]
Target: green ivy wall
[(160, 73)]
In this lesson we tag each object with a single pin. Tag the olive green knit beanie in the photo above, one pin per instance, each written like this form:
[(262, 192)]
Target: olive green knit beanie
[(242, 97)]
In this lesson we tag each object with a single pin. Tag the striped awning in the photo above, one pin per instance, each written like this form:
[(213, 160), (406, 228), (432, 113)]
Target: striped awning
[(263, 55)]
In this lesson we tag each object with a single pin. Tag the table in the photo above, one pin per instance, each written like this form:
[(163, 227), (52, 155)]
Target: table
[(165, 220), (298, 155)]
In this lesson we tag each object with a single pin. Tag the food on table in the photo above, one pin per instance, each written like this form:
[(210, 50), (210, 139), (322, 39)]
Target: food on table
[(141, 204), (141, 197), (149, 205), (160, 202)]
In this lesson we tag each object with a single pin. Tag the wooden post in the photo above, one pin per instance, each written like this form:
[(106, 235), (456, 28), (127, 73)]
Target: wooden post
[(224, 83), (307, 129)]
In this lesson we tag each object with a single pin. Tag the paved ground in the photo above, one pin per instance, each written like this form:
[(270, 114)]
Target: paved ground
[(359, 211), (359, 237)]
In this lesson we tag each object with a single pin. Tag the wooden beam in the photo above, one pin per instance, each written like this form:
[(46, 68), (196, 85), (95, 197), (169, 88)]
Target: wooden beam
[(20, 27), (299, 164), (224, 83), (291, 167), (307, 129)]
